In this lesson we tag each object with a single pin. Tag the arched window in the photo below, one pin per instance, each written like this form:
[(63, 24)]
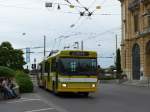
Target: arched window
[(148, 47), (136, 62)]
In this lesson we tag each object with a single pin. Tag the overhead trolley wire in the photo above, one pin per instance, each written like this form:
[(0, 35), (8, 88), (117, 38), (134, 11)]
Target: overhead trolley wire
[(28, 8), (103, 2), (100, 34)]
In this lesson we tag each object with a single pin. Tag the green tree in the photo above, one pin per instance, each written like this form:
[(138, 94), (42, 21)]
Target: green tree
[(10, 57), (6, 72), (118, 63)]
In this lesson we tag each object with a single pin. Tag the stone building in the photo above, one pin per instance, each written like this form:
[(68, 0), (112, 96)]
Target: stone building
[(136, 38)]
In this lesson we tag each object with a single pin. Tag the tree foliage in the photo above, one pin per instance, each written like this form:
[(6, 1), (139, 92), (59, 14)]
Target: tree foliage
[(6, 72), (10, 57), (118, 63)]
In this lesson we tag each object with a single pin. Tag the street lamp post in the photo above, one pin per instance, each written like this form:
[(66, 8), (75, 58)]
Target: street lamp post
[(44, 46)]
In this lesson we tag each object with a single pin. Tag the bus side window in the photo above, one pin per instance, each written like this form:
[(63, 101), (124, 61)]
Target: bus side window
[(47, 69), (50, 66), (41, 70), (53, 65)]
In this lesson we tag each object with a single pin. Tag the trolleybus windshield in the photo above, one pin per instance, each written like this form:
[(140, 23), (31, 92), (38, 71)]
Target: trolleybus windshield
[(75, 66)]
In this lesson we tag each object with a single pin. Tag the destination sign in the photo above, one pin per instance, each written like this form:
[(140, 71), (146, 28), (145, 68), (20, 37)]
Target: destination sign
[(79, 53)]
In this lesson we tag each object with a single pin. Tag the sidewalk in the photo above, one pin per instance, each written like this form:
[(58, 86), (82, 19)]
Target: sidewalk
[(138, 83), (29, 102)]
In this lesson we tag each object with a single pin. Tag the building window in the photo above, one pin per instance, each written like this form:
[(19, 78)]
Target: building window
[(136, 22), (148, 17)]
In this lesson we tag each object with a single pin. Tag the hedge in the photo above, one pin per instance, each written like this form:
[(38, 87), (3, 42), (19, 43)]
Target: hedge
[(24, 82), (6, 72)]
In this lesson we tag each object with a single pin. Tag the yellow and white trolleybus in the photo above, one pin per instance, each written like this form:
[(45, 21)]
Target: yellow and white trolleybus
[(69, 71)]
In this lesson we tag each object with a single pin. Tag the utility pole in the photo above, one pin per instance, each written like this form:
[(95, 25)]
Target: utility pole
[(35, 61), (82, 46), (44, 46)]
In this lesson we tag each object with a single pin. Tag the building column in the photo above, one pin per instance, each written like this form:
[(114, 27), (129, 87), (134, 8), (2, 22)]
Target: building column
[(147, 61)]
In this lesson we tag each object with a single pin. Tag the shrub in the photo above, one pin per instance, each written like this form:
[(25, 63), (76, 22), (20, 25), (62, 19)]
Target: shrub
[(6, 72), (24, 82), (26, 71)]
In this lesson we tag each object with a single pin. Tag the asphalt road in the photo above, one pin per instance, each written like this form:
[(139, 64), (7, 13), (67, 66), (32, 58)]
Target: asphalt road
[(109, 98)]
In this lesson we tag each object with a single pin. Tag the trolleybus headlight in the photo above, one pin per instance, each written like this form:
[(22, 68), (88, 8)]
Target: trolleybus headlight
[(64, 85), (93, 85)]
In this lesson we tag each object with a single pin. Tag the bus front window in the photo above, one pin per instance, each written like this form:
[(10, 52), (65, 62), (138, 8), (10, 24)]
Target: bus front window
[(78, 66)]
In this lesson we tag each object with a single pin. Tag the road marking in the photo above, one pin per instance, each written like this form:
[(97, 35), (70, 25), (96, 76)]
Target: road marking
[(29, 98), (51, 104), (40, 110), (23, 100)]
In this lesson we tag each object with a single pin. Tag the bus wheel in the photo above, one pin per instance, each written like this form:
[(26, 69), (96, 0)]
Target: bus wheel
[(45, 86), (54, 88), (39, 86)]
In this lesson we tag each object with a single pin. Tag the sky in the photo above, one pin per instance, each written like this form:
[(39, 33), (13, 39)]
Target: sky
[(25, 22)]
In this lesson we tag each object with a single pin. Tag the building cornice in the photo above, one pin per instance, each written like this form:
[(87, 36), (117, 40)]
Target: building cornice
[(121, 0)]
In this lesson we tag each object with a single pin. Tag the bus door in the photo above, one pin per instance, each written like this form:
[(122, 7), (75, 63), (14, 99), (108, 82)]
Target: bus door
[(56, 75), (55, 71)]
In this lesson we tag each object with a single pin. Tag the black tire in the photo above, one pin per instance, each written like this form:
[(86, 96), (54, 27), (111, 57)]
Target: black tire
[(38, 83), (44, 85), (39, 86), (54, 88), (86, 94)]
